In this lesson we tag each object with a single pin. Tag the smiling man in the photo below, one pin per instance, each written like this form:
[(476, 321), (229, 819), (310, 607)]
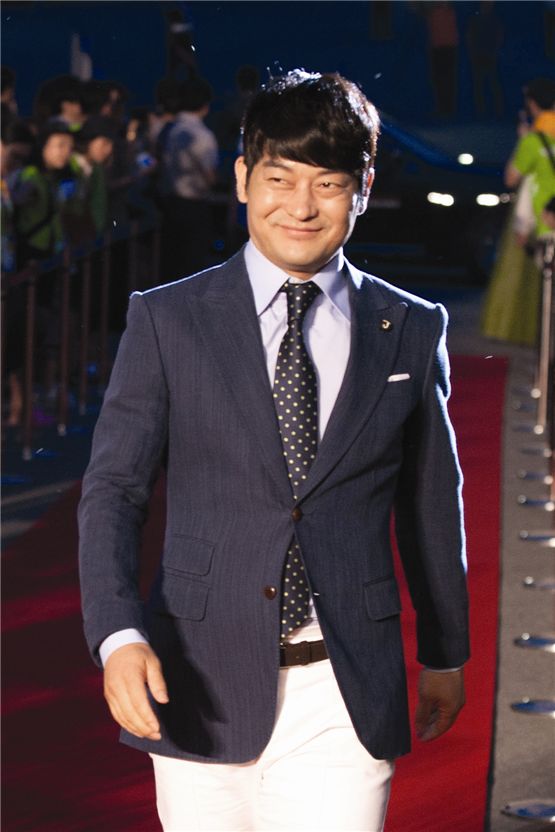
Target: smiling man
[(296, 404)]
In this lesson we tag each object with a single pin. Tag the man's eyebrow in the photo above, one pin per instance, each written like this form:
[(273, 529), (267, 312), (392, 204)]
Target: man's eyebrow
[(276, 163)]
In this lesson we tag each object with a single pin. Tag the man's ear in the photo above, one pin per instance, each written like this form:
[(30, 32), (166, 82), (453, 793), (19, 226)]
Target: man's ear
[(241, 179), (362, 200)]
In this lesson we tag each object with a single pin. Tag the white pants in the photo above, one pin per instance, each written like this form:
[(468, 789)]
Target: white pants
[(314, 774)]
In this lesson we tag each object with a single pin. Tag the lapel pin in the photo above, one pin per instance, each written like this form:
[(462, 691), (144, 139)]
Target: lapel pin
[(386, 325)]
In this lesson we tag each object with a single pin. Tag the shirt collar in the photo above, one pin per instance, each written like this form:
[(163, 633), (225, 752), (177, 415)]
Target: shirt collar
[(267, 279)]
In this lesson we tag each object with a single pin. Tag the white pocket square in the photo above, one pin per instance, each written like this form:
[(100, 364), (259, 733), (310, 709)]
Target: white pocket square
[(399, 377)]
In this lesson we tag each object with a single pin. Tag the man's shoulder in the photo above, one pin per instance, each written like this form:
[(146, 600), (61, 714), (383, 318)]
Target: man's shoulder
[(195, 285), (390, 293)]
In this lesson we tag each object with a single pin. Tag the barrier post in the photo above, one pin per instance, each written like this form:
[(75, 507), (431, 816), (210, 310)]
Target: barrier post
[(30, 321), (85, 332), (546, 337), (155, 256), (104, 309), (133, 260), (65, 313)]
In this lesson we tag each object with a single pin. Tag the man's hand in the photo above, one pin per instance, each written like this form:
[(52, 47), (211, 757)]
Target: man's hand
[(440, 698), (128, 671)]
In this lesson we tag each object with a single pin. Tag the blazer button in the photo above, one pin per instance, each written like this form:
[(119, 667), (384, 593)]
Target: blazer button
[(297, 513), (270, 592)]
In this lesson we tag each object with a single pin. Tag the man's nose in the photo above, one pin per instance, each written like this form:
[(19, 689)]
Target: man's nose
[(302, 203)]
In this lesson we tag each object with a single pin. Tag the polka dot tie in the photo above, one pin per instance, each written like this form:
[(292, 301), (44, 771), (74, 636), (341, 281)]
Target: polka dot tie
[(296, 401)]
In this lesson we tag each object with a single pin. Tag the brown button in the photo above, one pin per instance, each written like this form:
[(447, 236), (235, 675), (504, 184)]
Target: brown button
[(297, 513), (270, 592)]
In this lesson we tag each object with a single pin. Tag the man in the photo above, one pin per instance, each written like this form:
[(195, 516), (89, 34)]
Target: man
[(188, 164), (294, 402)]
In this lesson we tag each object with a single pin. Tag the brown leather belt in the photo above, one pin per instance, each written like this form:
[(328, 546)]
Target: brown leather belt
[(304, 652)]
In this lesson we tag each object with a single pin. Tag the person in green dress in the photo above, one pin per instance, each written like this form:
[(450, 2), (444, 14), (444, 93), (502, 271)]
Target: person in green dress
[(511, 306)]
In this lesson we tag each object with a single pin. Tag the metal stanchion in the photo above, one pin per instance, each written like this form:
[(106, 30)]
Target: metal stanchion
[(545, 356), (155, 256), (65, 312), (30, 322), (65, 264), (545, 420), (104, 309), (133, 258), (85, 332)]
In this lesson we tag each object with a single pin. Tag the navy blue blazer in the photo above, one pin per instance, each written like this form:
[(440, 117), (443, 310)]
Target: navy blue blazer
[(190, 390)]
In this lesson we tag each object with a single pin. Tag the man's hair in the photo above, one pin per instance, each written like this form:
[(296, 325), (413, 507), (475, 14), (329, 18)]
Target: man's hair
[(16, 131), (168, 95), (542, 91), (96, 127), (7, 78), (194, 94), (317, 119)]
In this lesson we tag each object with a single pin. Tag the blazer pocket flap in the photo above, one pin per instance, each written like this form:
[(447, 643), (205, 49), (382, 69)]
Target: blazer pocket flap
[(177, 596), (382, 599), (188, 554)]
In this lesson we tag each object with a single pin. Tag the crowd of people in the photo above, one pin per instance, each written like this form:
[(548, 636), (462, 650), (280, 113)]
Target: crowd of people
[(85, 163), (82, 164)]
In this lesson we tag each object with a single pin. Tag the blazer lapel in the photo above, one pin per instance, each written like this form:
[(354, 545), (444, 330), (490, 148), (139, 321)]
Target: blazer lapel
[(375, 340), (229, 326)]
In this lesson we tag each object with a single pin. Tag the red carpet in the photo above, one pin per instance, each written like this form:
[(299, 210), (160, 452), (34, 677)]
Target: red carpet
[(64, 770)]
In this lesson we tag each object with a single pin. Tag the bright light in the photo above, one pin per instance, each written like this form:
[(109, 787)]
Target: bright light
[(466, 159), (489, 200), (441, 199)]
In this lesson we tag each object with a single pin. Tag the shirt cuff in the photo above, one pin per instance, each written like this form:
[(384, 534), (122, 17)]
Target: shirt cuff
[(117, 640)]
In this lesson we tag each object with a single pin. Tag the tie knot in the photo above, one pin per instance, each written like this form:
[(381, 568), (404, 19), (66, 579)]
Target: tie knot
[(299, 298)]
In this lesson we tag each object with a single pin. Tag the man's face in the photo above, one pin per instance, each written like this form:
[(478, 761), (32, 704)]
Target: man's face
[(57, 151), (100, 149), (298, 215)]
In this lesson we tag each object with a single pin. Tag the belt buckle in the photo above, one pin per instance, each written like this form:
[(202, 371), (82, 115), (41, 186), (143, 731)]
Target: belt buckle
[(301, 652)]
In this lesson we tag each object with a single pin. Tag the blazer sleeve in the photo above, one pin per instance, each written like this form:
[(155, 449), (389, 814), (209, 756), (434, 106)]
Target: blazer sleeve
[(429, 517), (128, 448)]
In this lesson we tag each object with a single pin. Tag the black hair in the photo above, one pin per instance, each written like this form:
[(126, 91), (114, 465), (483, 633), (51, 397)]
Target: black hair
[(317, 119), (168, 95), (17, 131), (53, 128), (194, 93), (52, 92), (7, 76), (96, 126), (542, 92), (96, 94)]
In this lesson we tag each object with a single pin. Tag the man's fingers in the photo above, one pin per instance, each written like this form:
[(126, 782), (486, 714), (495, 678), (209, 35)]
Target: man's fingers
[(441, 697), (433, 724), (128, 670), (129, 705), (155, 681)]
